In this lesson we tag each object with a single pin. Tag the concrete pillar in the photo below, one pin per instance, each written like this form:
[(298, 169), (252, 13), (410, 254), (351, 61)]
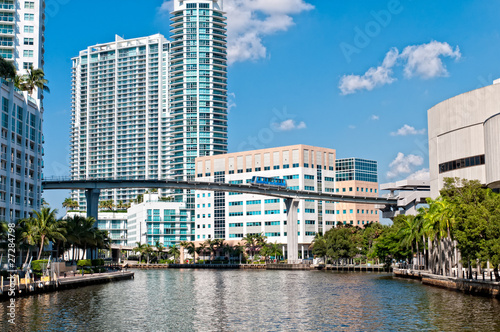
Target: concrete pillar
[(92, 196), (302, 247), (283, 250), (292, 229)]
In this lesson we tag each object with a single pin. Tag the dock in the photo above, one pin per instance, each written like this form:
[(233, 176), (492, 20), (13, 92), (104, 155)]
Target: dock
[(27, 287)]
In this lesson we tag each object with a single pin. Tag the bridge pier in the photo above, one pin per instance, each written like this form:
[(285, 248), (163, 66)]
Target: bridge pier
[(92, 196), (292, 230)]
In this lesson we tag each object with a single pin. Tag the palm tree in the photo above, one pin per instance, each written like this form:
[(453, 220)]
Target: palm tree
[(121, 205), (70, 204), (140, 248), (254, 242), (200, 250), (174, 251), (189, 246), (47, 227), (107, 205), (7, 69), (34, 79), (276, 249), (160, 247), (214, 246)]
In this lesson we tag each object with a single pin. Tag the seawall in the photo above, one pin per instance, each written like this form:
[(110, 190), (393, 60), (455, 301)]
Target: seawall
[(467, 286)]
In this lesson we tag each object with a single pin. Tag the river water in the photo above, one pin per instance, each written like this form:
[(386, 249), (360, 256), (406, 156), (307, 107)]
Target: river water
[(246, 300)]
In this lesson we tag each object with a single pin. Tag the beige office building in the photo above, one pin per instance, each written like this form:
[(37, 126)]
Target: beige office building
[(232, 216)]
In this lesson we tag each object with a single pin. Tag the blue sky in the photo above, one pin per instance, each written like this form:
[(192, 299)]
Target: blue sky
[(288, 60)]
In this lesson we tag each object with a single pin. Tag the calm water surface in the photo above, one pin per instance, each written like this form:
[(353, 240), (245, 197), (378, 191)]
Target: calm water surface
[(242, 300)]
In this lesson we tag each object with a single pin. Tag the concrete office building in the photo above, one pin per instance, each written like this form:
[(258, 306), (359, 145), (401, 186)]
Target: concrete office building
[(21, 42), (198, 87), (357, 177), (119, 113), (232, 216), (464, 138)]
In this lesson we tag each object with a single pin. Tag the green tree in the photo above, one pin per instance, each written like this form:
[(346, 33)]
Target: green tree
[(189, 246), (47, 227), (201, 250), (140, 249), (70, 204), (340, 244), (318, 245), (254, 242), (35, 78), (159, 247), (107, 205), (7, 69), (174, 252)]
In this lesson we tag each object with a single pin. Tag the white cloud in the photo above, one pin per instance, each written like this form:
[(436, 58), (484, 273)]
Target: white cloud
[(403, 164), (251, 20), (375, 117), (408, 130), (422, 174), (422, 60), (380, 75), (289, 124), (231, 97), (425, 60)]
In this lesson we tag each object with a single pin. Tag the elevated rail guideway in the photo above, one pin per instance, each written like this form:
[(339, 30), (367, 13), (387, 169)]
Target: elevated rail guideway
[(93, 189)]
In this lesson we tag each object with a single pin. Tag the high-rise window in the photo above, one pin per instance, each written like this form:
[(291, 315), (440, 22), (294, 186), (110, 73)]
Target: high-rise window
[(29, 5), (29, 29), (29, 17)]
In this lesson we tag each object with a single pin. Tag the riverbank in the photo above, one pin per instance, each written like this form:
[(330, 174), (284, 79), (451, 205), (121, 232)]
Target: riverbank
[(467, 286), (23, 287), (307, 267)]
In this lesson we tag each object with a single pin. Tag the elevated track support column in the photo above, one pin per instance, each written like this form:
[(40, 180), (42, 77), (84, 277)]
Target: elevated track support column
[(92, 196), (292, 230)]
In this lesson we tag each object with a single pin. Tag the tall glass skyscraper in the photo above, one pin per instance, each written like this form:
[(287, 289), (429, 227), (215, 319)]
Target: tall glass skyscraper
[(198, 87)]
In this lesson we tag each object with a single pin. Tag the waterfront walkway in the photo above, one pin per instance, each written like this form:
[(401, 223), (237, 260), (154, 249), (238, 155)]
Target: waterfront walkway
[(483, 287), (23, 287)]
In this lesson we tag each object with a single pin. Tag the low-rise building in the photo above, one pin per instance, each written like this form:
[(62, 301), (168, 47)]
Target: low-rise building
[(157, 220)]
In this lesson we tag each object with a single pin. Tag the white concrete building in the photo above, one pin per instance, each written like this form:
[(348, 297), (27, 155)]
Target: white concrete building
[(21, 42), (113, 222), (155, 220), (464, 138), (119, 113), (232, 216), (21, 155)]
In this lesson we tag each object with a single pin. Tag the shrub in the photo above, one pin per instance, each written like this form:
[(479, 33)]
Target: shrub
[(98, 262), (133, 258), (36, 266), (84, 262)]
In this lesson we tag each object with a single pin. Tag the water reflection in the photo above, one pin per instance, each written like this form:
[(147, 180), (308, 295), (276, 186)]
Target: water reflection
[(190, 300)]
